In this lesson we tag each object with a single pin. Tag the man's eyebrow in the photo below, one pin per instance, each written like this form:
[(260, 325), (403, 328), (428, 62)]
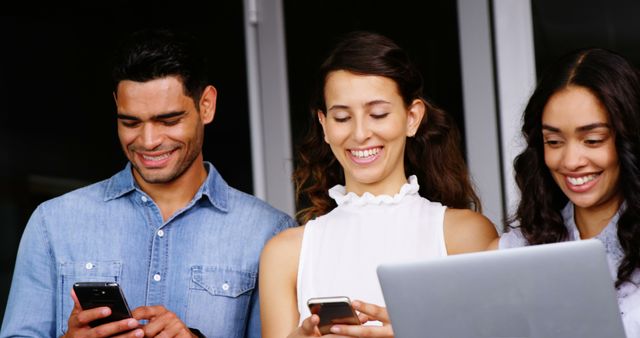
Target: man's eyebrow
[(127, 117), (155, 117), (168, 115)]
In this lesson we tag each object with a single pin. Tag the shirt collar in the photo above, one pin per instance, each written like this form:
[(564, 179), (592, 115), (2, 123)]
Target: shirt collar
[(608, 236), (214, 188)]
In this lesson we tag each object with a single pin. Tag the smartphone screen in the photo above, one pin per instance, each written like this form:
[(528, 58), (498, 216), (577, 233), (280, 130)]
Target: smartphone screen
[(97, 294), (333, 310)]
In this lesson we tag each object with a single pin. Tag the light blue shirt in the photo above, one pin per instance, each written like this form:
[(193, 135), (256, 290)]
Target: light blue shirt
[(202, 263)]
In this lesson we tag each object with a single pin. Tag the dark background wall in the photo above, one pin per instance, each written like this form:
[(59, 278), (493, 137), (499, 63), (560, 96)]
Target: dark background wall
[(57, 115), (563, 26)]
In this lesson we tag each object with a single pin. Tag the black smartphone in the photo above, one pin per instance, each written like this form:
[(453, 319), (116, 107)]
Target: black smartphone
[(97, 294), (333, 310)]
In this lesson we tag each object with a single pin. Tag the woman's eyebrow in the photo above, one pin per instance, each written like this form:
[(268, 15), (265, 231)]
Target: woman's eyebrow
[(593, 126), (580, 129)]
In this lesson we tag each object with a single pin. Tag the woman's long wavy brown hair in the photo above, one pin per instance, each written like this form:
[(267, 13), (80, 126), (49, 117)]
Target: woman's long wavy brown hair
[(615, 82), (433, 154)]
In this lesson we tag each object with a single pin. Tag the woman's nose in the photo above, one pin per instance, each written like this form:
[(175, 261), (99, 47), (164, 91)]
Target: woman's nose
[(574, 156)]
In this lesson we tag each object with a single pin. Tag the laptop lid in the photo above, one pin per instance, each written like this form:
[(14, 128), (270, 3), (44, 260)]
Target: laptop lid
[(545, 291)]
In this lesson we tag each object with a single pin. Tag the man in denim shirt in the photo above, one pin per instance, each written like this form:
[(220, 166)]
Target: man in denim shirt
[(183, 245)]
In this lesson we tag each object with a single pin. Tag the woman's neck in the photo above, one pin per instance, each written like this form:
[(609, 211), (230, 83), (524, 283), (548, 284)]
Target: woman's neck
[(591, 221), (389, 186)]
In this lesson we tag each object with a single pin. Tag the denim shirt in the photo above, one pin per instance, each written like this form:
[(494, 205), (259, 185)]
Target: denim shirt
[(201, 264)]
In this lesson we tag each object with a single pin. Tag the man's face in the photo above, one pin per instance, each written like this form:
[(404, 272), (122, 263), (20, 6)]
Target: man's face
[(160, 129)]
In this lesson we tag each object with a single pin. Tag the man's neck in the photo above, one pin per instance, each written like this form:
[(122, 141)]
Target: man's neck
[(175, 195)]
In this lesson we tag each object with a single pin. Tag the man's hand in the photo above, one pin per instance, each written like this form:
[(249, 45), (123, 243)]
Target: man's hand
[(162, 322), (78, 324)]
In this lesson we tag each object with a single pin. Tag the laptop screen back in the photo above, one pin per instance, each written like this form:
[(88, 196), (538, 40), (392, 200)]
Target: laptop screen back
[(554, 290)]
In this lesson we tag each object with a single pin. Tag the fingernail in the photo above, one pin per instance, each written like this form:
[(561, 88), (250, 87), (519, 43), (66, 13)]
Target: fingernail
[(139, 333), (132, 323), (335, 329), (105, 311)]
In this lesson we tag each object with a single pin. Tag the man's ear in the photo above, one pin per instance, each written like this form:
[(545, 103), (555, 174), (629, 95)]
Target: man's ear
[(416, 112), (323, 119), (207, 104)]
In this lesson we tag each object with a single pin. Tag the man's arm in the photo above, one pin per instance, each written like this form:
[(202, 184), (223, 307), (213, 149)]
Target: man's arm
[(253, 329), (31, 309)]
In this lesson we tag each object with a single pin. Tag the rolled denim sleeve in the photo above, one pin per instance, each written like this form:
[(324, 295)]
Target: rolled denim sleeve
[(30, 310)]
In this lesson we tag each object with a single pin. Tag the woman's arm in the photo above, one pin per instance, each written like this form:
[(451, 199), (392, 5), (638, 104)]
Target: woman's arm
[(277, 283), (467, 231)]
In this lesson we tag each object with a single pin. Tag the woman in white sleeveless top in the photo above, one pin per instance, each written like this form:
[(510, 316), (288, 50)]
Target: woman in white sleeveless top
[(391, 162)]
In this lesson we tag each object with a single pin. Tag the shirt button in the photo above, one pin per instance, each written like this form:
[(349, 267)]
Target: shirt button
[(225, 286), (160, 233), (157, 277), (88, 266), (144, 199)]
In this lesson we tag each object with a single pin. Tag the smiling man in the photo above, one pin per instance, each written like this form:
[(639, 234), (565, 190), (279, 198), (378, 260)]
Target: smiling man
[(182, 244)]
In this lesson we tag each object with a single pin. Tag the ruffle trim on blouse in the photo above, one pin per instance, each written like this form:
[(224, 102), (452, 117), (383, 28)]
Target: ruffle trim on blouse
[(340, 195)]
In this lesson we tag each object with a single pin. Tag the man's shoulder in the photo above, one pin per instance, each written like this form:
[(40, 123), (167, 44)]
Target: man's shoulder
[(251, 207), (240, 201), (89, 194)]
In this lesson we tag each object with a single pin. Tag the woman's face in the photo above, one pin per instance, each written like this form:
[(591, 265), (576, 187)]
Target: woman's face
[(366, 124), (579, 149)]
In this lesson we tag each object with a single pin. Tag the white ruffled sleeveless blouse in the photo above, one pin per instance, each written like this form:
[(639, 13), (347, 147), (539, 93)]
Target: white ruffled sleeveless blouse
[(342, 249)]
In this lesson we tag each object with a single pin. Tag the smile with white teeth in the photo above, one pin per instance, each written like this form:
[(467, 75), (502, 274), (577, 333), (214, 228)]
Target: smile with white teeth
[(365, 153), (156, 158), (581, 180)]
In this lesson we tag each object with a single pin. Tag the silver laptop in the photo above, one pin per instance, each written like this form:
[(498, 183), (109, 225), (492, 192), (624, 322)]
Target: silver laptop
[(560, 290)]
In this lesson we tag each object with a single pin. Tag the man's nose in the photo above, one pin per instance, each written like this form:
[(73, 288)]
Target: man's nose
[(151, 137)]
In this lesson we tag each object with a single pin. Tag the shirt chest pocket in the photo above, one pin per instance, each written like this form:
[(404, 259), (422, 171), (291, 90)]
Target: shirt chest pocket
[(86, 271), (219, 299)]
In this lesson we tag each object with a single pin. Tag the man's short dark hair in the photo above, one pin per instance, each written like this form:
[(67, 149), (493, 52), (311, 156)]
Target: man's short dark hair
[(158, 53)]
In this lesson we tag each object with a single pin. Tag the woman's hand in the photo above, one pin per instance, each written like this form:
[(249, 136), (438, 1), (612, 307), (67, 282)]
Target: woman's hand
[(308, 328), (367, 312)]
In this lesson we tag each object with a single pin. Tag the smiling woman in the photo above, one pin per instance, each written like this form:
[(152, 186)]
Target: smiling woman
[(578, 175), (366, 126), (581, 155), (383, 170)]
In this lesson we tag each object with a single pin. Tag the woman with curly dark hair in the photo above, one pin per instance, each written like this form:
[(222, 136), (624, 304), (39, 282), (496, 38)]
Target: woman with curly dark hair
[(391, 163), (579, 175)]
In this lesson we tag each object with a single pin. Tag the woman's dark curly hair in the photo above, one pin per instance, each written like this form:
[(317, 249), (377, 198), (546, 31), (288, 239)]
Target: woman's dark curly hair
[(616, 84), (433, 154)]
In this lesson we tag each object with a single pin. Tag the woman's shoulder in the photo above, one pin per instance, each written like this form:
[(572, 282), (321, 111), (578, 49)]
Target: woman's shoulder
[(286, 240), (467, 231), (281, 254)]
